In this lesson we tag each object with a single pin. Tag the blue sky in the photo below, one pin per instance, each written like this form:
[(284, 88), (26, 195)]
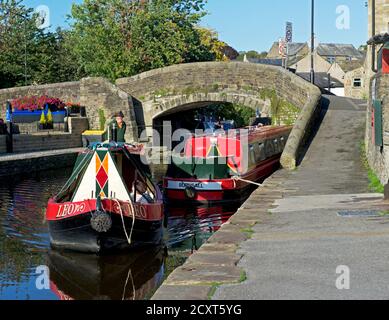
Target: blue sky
[(256, 24)]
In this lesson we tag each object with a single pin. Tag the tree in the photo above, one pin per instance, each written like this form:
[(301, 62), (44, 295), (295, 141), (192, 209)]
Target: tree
[(30, 55), (17, 29), (221, 50), (118, 38), (252, 54)]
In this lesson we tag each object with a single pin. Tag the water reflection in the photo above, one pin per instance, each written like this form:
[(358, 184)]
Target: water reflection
[(75, 276), (24, 245)]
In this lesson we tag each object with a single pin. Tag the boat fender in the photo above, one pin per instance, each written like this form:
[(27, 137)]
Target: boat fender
[(100, 220), (190, 193)]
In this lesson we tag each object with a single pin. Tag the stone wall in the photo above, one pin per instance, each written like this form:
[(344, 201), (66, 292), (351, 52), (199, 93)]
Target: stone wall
[(3, 144), (78, 125), (349, 89), (16, 165), (99, 96), (378, 157), (40, 142)]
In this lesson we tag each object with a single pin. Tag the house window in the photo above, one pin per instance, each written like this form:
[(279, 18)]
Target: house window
[(357, 83), (331, 59), (349, 59)]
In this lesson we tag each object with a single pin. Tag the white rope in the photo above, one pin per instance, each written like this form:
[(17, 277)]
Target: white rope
[(129, 237), (133, 286), (236, 178)]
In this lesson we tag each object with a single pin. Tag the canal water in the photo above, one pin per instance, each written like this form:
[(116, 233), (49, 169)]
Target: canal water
[(29, 269)]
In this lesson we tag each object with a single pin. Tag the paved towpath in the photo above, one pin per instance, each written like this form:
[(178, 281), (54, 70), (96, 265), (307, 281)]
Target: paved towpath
[(321, 219)]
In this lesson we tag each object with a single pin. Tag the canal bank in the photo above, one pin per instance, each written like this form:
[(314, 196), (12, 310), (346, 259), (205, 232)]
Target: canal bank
[(32, 162), (289, 239)]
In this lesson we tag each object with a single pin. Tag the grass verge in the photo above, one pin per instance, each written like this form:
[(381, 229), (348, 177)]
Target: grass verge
[(375, 184)]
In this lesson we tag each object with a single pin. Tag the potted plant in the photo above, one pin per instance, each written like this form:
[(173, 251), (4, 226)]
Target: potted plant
[(49, 124), (42, 121)]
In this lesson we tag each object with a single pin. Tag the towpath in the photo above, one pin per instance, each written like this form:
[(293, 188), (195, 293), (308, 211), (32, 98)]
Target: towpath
[(323, 221)]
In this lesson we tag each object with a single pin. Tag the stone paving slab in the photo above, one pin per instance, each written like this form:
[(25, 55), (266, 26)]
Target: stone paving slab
[(201, 274), (171, 292)]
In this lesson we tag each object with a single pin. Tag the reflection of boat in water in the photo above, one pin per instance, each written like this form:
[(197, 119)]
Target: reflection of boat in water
[(108, 203), (211, 218), (191, 226), (76, 276), (221, 165)]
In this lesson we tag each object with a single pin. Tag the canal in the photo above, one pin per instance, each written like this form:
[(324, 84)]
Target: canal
[(25, 253)]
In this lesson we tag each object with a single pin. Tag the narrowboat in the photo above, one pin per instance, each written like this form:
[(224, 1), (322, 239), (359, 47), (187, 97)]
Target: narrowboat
[(223, 165), (108, 203)]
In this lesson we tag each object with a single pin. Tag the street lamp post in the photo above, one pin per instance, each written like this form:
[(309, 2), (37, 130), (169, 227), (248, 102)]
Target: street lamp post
[(312, 41)]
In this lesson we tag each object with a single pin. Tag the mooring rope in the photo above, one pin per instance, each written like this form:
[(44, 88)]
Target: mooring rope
[(129, 275), (129, 237), (236, 178)]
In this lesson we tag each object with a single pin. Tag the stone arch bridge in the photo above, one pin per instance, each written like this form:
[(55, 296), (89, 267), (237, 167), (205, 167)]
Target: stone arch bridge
[(146, 97), (178, 88)]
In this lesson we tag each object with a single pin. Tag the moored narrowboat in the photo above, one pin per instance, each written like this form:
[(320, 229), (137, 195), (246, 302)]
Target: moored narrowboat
[(222, 166), (109, 203)]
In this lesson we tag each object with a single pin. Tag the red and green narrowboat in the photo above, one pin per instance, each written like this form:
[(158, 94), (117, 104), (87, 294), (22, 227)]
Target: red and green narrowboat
[(221, 166)]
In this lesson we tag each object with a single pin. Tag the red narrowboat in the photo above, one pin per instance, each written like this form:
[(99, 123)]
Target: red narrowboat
[(220, 166)]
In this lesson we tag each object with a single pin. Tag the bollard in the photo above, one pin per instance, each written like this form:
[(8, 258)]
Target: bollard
[(114, 132), (386, 192), (9, 128)]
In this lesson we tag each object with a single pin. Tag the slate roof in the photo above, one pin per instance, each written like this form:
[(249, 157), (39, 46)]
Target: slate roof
[(344, 50), (272, 62), (294, 47), (321, 80), (350, 65)]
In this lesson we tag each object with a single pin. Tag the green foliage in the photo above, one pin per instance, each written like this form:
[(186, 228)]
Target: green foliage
[(375, 184), (119, 38), (241, 114), (102, 119), (109, 38), (283, 112), (251, 55), (21, 41)]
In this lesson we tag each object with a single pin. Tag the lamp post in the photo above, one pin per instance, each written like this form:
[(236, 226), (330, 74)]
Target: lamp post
[(312, 41)]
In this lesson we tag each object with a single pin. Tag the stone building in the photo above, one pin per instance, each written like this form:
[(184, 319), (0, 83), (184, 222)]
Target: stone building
[(296, 52), (354, 86), (381, 26), (304, 65), (334, 52), (339, 69)]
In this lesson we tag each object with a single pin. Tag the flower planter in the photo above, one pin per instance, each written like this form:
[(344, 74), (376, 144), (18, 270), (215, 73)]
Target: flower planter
[(34, 116)]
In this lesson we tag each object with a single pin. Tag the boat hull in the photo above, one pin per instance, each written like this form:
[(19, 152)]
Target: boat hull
[(76, 234), (218, 190)]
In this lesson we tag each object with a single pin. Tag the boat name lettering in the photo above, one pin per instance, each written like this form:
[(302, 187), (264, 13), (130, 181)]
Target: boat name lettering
[(70, 209), (198, 185)]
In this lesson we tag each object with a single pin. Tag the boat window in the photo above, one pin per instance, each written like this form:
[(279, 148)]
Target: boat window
[(252, 160), (270, 148), (260, 152)]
